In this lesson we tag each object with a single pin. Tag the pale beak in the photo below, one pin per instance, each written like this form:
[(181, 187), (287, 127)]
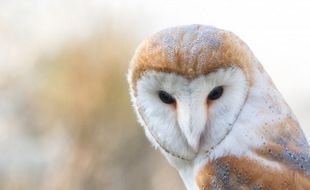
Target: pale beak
[(192, 120)]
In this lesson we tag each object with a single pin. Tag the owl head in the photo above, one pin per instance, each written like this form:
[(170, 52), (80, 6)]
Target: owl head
[(201, 95), (190, 86)]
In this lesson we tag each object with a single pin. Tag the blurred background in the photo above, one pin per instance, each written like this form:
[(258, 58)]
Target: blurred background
[(65, 115)]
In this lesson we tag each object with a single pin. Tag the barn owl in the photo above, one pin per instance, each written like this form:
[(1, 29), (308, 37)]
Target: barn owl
[(208, 105)]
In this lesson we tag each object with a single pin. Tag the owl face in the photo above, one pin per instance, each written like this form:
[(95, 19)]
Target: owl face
[(188, 85), (184, 117)]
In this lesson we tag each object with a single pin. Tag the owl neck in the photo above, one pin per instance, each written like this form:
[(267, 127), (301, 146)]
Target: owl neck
[(188, 177)]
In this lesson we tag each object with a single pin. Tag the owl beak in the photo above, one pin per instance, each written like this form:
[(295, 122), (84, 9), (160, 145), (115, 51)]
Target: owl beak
[(192, 121)]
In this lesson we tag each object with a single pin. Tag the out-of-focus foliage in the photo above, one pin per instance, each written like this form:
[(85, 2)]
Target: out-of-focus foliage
[(76, 128)]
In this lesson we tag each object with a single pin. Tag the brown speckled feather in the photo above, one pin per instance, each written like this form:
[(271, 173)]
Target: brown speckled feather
[(287, 147), (181, 52)]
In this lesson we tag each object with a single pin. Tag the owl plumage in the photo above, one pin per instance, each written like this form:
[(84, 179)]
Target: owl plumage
[(208, 105)]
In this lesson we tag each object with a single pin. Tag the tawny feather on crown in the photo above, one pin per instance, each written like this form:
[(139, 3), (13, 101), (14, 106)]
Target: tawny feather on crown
[(190, 51)]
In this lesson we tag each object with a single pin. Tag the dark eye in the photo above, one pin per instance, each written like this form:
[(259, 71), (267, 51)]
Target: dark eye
[(165, 97), (216, 93)]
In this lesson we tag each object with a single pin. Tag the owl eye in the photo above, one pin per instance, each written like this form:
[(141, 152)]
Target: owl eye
[(216, 93), (165, 97)]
